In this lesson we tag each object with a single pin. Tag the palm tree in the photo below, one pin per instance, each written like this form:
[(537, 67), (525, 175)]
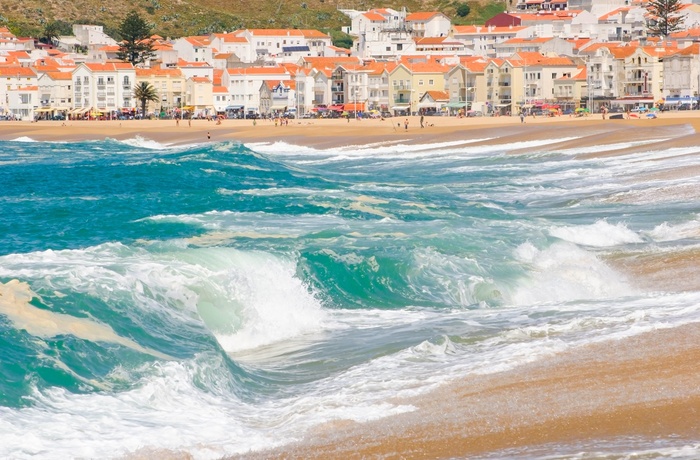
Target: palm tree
[(145, 92)]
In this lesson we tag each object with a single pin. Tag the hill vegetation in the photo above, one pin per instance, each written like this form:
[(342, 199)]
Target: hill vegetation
[(176, 18)]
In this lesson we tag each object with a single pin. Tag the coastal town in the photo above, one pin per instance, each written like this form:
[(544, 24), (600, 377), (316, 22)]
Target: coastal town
[(540, 57)]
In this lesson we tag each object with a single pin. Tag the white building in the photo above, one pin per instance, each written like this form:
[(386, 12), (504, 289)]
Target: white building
[(235, 44), (244, 85), (482, 39), (104, 87), (284, 45), (429, 24), (19, 93), (55, 92), (194, 49), (91, 35)]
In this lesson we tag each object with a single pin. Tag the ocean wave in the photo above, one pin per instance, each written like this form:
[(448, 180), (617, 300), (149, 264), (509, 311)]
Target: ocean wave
[(599, 234), (563, 272)]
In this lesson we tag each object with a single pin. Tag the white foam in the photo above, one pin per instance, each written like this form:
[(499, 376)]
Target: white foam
[(608, 147), (670, 232), (142, 142), (24, 139), (599, 234), (563, 272), (274, 304)]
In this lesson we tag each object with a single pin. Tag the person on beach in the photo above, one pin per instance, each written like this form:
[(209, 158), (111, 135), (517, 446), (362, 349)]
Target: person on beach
[(208, 136), (405, 124), (522, 117), (421, 120), (177, 122)]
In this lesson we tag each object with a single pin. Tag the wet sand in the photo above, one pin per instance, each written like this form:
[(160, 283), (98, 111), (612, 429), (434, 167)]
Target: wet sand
[(647, 386)]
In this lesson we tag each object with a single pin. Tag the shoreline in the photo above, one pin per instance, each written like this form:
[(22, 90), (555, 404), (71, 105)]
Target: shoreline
[(328, 133), (641, 386)]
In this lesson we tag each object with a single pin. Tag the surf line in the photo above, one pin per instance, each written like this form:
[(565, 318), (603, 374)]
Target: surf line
[(15, 296)]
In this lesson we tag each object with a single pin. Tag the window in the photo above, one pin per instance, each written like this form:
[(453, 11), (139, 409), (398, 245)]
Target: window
[(554, 75), (420, 82), (399, 47), (431, 82)]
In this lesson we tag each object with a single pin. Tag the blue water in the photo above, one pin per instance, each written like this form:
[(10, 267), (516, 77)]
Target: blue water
[(218, 298)]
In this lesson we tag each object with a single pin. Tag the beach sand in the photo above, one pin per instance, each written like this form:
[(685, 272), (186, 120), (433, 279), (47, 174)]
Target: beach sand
[(680, 127), (648, 385)]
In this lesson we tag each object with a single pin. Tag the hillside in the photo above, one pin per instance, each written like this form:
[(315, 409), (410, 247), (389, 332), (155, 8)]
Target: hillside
[(175, 18)]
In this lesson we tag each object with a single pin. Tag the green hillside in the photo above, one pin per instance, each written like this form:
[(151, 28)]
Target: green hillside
[(175, 18)]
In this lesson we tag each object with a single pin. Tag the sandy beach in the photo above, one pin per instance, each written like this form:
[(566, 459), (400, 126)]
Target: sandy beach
[(648, 385), (680, 128)]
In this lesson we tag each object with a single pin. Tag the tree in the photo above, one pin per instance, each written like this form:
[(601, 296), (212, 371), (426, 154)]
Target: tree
[(136, 45), (665, 17), (50, 33), (145, 92), (463, 10)]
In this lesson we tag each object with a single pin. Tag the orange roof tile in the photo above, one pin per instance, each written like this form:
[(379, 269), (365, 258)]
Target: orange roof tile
[(257, 71), (438, 95), (422, 16), (375, 17), (60, 75)]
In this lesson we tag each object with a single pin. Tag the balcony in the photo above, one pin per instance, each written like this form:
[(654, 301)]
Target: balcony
[(401, 100)]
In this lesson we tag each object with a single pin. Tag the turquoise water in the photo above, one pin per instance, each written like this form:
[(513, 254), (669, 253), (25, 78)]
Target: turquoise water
[(218, 298)]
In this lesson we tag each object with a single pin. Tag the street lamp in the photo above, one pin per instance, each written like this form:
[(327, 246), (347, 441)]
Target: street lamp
[(589, 80)]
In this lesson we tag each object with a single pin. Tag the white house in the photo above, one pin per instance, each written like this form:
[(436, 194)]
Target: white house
[(104, 87), (235, 44), (194, 49), (374, 21), (480, 39), (91, 35), (244, 85), (55, 92), (285, 45), (429, 24), (19, 93)]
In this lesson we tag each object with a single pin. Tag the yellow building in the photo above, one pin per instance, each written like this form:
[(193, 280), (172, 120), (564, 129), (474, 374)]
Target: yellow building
[(170, 85)]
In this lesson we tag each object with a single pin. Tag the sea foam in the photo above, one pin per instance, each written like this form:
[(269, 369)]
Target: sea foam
[(599, 234)]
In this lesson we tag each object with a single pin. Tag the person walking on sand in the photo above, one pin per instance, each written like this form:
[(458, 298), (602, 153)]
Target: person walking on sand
[(522, 117), (405, 124), (208, 136), (421, 120)]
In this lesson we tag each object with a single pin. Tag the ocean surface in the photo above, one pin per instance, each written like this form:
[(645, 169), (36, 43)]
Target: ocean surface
[(219, 298)]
